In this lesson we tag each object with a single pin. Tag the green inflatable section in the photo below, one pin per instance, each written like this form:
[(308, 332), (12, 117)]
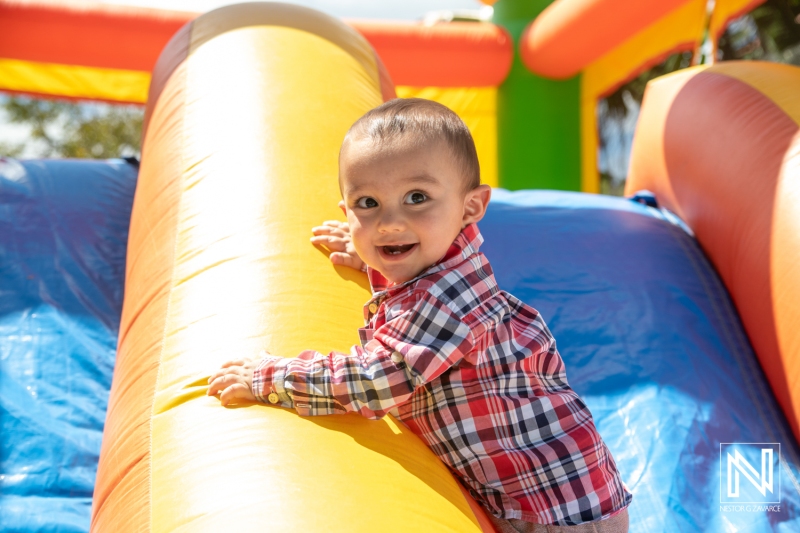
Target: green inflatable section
[(538, 120)]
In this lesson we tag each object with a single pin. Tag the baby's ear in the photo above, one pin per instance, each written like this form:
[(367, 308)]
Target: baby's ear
[(342, 207), (475, 204)]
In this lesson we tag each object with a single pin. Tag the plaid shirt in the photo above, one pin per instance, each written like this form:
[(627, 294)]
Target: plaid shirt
[(475, 373)]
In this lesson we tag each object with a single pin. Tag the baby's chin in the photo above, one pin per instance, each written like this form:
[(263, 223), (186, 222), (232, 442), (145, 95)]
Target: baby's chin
[(397, 277)]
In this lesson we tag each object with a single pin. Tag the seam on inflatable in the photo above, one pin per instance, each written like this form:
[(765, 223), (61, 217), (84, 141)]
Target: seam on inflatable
[(171, 291), (763, 393), (736, 340), (721, 315), (763, 91), (345, 37)]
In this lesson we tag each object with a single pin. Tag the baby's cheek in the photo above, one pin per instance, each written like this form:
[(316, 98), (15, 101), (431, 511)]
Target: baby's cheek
[(437, 238), (360, 240)]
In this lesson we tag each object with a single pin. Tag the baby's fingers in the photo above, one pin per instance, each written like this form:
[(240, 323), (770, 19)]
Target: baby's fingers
[(226, 369), (341, 227), (237, 391), (335, 224), (328, 230), (216, 384), (332, 243), (345, 259)]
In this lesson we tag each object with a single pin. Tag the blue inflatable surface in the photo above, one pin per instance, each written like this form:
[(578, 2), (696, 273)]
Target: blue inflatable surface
[(648, 333), (63, 237), (653, 344)]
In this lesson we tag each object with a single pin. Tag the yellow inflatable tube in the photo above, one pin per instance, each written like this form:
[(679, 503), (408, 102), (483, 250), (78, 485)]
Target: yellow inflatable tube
[(247, 108)]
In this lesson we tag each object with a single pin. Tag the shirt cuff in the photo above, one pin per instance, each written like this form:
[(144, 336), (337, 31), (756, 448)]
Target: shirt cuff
[(270, 376)]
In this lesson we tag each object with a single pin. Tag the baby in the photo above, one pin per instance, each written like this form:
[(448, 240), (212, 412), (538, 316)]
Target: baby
[(469, 368)]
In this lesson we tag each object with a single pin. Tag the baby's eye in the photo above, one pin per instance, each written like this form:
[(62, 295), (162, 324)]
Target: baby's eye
[(415, 197), (366, 202)]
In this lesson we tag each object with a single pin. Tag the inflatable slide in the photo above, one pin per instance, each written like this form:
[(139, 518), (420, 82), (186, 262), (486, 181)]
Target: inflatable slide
[(160, 275)]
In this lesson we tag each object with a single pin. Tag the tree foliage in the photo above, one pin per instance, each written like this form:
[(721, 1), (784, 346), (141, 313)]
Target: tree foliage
[(770, 32), (84, 130)]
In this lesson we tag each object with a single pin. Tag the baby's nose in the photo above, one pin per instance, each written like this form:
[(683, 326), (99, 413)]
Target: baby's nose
[(391, 222)]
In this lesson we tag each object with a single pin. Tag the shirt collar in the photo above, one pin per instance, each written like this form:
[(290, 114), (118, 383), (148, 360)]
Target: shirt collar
[(465, 244)]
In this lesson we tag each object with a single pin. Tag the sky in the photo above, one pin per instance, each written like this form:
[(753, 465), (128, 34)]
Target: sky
[(369, 9)]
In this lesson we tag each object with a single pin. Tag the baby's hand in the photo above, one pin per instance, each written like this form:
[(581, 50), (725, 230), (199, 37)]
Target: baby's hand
[(234, 380), (335, 236)]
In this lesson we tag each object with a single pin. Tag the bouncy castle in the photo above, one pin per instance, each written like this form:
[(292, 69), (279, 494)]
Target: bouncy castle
[(123, 285)]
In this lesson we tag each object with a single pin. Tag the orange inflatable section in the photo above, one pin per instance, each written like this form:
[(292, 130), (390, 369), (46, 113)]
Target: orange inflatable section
[(122, 488), (720, 146), (570, 34), (458, 54), (91, 35), (68, 33)]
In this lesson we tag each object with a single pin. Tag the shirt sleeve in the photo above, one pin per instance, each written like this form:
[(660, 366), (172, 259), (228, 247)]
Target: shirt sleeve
[(410, 350)]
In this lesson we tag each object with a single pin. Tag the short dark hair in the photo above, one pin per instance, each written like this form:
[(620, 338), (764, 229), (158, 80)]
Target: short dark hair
[(430, 121)]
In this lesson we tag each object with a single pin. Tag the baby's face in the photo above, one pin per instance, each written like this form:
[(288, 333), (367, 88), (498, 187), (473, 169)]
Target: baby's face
[(405, 203)]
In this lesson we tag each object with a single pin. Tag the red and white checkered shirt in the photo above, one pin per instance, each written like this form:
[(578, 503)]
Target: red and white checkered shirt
[(475, 373)]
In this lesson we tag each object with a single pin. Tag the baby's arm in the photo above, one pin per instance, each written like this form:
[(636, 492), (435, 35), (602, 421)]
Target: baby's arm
[(405, 353), (335, 236)]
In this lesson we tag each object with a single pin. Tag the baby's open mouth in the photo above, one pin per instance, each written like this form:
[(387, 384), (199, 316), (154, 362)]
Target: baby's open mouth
[(397, 249)]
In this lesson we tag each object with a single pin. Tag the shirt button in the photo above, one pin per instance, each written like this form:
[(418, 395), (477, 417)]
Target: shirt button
[(373, 308), (397, 358), (273, 397)]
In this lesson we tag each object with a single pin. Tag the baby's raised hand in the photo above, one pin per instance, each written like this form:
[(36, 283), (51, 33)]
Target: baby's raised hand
[(234, 381), (335, 236)]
